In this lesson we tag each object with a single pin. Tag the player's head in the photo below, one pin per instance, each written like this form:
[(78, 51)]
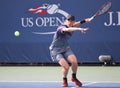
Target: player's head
[(70, 20)]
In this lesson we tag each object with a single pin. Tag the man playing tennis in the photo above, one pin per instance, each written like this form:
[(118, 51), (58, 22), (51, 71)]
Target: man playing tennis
[(60, 50)]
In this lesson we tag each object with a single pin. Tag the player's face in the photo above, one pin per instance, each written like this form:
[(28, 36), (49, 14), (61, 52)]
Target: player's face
[(70, 23)]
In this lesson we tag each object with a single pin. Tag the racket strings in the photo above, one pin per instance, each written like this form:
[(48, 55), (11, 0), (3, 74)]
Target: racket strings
[(104, 8)]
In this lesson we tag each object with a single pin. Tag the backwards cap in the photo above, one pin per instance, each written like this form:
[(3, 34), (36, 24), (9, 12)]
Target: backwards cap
[(70, 17)]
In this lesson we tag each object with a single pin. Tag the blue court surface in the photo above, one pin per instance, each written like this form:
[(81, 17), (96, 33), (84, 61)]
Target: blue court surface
[(58, 85)]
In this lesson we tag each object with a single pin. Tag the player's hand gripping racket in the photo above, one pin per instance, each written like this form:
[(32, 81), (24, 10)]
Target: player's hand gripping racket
[(105, 8)]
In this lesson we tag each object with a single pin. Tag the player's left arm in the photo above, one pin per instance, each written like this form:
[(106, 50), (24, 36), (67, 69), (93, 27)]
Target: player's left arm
[(78, 23), (72, 29)]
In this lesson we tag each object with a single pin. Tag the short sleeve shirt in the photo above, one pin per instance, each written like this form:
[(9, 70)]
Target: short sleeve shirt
[(60, 40)]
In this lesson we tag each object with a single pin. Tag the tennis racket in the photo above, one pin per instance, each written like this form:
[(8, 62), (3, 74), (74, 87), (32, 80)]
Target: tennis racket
[(105, 8)]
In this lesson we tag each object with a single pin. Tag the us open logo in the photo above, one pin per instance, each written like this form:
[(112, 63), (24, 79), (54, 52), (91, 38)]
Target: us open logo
[(47, 10)]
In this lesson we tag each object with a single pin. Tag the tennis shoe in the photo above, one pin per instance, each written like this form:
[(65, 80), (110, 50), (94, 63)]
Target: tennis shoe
[(77, 82), (64, 83)]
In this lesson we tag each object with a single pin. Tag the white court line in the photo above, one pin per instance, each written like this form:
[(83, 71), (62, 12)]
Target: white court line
[(90, 83), (30, 81), (86, 82)]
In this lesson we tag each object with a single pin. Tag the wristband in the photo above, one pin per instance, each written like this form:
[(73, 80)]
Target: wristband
[(83, 21)]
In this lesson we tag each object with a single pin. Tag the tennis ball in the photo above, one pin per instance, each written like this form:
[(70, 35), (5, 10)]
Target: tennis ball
[(17, 33)]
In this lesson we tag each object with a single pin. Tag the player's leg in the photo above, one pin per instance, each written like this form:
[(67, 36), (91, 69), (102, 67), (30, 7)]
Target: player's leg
[(65, 70), (74, 64), (60, 59), (65, 66)]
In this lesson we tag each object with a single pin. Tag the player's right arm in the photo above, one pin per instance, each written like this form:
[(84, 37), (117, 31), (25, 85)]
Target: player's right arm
[(71, 29), (78, 23)]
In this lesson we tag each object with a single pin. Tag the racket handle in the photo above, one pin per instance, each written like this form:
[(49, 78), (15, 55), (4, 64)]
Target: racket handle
[(92, 18), (85, 29)]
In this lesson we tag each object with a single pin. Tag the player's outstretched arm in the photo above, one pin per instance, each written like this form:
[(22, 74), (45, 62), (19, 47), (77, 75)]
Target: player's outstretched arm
[(78, 23), (71, 29)]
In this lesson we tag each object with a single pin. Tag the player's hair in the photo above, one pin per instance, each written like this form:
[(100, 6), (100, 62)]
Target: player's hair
[(70, 17)]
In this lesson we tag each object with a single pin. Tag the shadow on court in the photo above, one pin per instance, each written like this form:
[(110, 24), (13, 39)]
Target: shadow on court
[(58, 85)]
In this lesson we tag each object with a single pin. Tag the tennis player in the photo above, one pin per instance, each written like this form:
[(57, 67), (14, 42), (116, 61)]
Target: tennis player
[(60, 50)]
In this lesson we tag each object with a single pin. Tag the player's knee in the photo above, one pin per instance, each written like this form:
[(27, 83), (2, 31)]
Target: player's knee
[(74, 62), (67, 67), (64, 64)]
